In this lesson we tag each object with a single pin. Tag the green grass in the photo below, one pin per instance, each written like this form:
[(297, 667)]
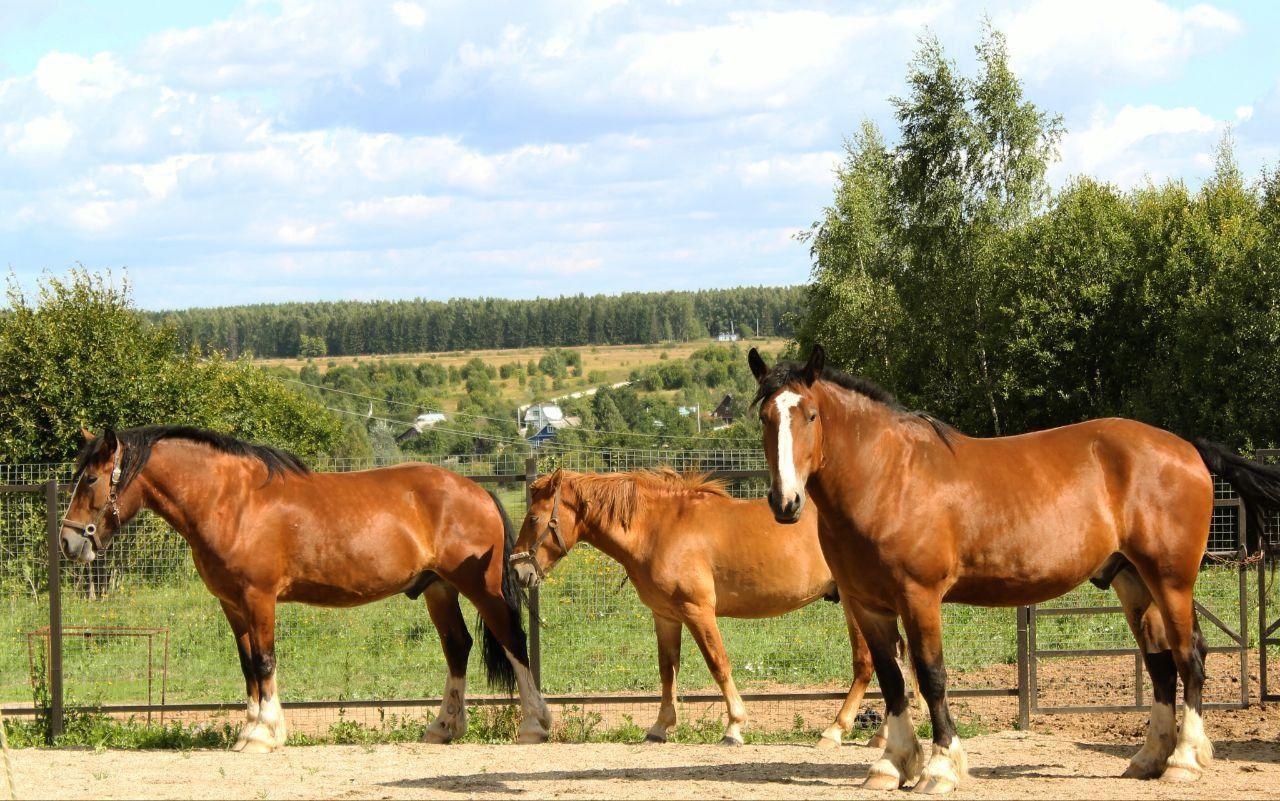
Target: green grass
[(596, 637)]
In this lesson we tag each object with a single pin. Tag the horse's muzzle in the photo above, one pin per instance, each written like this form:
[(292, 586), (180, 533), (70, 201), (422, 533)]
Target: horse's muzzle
[(786, 510), (76, 546), (526, 571)]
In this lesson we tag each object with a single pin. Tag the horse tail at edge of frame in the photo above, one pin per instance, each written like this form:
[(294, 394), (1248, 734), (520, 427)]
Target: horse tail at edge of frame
[(1258, 485), (498, 668)]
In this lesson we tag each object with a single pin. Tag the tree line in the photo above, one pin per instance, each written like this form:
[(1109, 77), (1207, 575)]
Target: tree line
[(341, 328), (947, 270)]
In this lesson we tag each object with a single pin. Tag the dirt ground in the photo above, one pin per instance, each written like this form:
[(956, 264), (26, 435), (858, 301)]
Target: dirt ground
[(1005, 765)]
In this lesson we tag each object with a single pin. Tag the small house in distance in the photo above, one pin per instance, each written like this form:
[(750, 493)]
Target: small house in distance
[(423, 422), (727, 336), (542, 421)]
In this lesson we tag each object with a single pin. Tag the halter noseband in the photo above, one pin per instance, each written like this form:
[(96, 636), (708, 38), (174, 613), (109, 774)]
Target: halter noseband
[(552, 529), (90, 529)]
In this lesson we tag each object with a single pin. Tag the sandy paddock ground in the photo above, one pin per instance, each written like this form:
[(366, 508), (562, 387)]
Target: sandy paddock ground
[(1005, 765)]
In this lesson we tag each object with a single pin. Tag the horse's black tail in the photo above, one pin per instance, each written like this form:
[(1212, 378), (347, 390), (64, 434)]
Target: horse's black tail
[(1258, 485), (499, 670)]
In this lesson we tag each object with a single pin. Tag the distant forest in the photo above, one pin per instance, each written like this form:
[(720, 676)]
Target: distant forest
[(345, 328)]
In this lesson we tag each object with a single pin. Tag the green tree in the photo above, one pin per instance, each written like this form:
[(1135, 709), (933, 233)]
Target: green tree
[(78, 354)]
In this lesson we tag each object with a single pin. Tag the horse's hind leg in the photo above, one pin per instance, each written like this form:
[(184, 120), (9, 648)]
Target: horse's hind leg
[(535, 718), (668, 632), (702, 625), (1193, 751), (442, 604), (862, 672), (1147, 625), (240, 630)]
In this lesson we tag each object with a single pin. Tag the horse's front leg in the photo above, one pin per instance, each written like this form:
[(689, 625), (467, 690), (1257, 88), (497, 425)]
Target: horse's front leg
[(240, 630), (948, 765), (902, 758), (702, 625), (270, 733), (668, 632)]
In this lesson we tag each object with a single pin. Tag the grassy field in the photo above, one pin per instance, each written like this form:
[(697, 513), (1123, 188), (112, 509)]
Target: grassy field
[(601, 364)]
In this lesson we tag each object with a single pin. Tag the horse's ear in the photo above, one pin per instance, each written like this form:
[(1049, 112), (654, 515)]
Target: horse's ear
[(813, 368), (109, 441), (758, 368), (87, 434)]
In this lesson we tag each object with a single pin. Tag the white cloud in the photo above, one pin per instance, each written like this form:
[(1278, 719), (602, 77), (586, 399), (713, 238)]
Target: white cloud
[(1140, 142), (73, 80), (42, 138), (537, 148), (411, 15), (1109, 39)]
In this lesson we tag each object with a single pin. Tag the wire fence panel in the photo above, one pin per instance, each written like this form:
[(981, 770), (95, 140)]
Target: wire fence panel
[(139, 627), (24, 587), (1072, 632)]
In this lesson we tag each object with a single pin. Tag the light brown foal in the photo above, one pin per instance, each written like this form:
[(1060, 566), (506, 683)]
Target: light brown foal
[(264, 529), (693, 553)]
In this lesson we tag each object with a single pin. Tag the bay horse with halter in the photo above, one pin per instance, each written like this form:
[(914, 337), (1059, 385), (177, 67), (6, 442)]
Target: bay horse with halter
[(264, 529), (913, 514), (693, 553)]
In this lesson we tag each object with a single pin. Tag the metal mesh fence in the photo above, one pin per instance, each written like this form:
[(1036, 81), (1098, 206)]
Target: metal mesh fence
[(142, 628)]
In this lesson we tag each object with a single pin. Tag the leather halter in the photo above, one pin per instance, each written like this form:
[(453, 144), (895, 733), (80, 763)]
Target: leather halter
[(552, 530), (90, 529)]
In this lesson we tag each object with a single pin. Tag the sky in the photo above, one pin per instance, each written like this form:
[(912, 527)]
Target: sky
[(225, 152)]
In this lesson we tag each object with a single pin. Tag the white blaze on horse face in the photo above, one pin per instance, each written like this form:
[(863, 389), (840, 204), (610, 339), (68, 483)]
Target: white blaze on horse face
[(788, 482)]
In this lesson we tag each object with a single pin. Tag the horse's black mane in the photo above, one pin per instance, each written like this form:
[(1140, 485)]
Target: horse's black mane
[(138, 442), (786, 373)]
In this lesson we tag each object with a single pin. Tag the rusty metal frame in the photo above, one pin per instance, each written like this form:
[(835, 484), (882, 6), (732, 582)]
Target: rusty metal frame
[(1240, 639), (1267, 628)]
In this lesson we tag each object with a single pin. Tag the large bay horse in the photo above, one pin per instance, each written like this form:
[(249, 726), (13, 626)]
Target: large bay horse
[(693, 553), (913, 514), (264, 529)]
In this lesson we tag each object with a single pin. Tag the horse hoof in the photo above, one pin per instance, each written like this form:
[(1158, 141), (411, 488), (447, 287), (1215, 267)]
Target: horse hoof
[(880, 781), (878, 741), (1180, 775), (653, 738), (1142, 772), (532, 737), (257, 747), (934, 785), (729, 741), (826, 742)]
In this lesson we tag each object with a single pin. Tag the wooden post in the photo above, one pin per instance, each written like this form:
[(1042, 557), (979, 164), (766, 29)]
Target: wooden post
[(55, 612), (1024, 670), (535, 621)]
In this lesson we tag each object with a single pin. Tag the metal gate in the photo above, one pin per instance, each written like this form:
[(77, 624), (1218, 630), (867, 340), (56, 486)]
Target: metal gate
[(1226, 546)]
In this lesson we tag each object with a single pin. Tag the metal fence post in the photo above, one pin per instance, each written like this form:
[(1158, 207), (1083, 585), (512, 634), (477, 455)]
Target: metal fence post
[(1243, 570), (55, 611), (1024, 671), (1264, 691), (535, 619)]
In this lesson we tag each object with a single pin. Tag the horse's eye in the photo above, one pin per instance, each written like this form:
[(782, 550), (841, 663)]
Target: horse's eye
[(89, 480), (813, 416)]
